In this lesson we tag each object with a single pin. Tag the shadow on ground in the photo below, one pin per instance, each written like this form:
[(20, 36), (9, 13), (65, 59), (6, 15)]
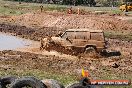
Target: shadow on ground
[(110, 53)]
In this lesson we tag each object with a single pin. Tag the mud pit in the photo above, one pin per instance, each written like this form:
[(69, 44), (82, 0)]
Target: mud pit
[(100, 67), (8, 42), (64, 63)]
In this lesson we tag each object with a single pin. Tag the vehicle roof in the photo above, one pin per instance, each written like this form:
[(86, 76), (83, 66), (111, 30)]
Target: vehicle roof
[(84, 30)]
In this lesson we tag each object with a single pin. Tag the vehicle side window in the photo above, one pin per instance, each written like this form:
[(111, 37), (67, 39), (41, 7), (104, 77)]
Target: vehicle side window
[(69, 35), (64, 35), (83, 35), (97, 36), (86, 35)]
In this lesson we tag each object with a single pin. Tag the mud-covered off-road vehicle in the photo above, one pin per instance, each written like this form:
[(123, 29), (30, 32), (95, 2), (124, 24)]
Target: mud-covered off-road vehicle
[(77, 40)]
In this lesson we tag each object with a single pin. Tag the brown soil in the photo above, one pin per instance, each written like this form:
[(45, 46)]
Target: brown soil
[(50, 24), (61, 63), (29, 33), (104, 22)]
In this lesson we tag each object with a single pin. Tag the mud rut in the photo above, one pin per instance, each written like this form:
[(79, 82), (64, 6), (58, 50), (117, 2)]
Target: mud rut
[(63, 64)]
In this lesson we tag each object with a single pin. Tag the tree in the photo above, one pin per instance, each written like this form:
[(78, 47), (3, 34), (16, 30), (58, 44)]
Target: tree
[(90, 2), (126, 10)]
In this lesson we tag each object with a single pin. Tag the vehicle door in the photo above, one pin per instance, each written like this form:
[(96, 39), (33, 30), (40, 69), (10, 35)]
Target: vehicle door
[(81, 38), (67, 38)]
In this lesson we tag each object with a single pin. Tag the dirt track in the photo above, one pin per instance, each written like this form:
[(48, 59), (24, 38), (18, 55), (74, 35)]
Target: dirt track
[(63, 63), (99, 67)]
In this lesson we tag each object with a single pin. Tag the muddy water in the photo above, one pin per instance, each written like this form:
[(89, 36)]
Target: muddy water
[(9, 42)]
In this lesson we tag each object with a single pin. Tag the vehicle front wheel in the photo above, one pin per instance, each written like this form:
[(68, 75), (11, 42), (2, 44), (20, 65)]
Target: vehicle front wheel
[(90, 51)]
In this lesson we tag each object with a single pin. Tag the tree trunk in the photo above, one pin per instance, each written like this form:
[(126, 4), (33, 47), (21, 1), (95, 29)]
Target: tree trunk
[(126, 9)]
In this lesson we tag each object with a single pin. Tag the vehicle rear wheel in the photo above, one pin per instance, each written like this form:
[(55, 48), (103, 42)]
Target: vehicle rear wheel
[(91, 52)]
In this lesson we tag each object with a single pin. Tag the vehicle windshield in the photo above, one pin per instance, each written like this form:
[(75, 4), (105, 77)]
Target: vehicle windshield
[(62, 35), (66, 34)]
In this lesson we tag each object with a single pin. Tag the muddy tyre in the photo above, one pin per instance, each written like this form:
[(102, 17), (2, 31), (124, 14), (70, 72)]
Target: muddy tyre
[(51, 83), (90, 50), (28, 82), (75, 85), (7, 80), (0, 86)]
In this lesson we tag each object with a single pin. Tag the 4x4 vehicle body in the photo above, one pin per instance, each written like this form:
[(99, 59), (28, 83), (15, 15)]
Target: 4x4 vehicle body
[(82, 38)]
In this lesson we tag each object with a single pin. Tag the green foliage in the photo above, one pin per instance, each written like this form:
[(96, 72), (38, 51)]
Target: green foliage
[(58, 8), (64, 79), (7, 11), (116, 12)]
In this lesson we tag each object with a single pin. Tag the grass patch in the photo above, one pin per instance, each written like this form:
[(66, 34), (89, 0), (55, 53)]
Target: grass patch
[(97, 8), (64, 79), (117, 12), (27, 7), (118, 35), (107, 74), (58, 8), (7, 11), (13, 8), (112, 76)]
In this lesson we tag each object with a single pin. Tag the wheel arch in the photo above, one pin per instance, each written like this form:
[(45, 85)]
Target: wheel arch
[(94, 46)]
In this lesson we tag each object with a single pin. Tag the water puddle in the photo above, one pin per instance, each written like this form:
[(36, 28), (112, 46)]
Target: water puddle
[(9, 42)]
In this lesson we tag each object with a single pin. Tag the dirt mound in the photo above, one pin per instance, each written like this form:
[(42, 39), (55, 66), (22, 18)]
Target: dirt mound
[(72, 21)]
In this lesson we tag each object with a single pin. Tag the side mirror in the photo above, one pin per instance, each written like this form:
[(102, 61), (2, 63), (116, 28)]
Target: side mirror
[(67, 38), (60, 34)]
